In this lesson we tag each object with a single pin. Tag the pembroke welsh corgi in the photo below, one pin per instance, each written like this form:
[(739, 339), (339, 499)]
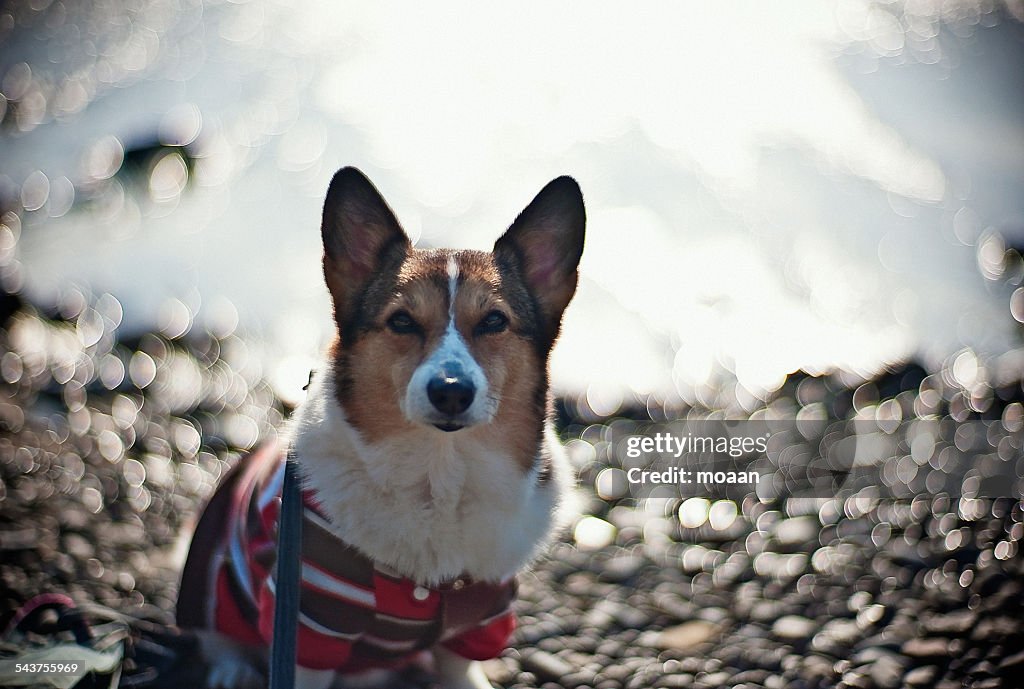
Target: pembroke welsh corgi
[(432, 473)]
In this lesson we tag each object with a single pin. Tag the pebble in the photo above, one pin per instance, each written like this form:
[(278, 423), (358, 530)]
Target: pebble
[(682, 636), (716, 679), (679, 680), (887, 672), (957, 622), (794, 628), (757, 676), (836, 637), (18, 539), (766, 611), (621, 568), (921, 676), (1012, 661), (994, 627), (546, 665), (855, 679), (871, 615), (934, 647), (576, 679), (676, 607), (987, 683), (607, 613), (817, 669), (796, 532)]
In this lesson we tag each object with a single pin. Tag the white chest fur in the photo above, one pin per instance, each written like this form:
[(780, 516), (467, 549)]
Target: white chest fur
[(428, 504)]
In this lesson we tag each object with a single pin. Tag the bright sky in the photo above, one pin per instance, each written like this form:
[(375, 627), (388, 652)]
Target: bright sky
[(709, 139)]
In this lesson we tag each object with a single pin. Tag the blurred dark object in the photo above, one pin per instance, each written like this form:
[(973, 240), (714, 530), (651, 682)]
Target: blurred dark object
[(50, 629), (142, 157), (906, 377), (9, 305), (129, 652)]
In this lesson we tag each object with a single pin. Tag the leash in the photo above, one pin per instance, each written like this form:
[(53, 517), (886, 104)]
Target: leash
[(286, 602), (289, 571)]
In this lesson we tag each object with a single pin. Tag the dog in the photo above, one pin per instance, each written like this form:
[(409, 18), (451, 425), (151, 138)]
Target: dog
[(432, 474)]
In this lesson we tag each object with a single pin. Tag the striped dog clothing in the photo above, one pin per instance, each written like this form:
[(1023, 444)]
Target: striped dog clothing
[(354, 614)]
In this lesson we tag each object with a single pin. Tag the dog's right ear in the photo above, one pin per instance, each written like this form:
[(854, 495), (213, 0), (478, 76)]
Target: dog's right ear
[(360, 235)]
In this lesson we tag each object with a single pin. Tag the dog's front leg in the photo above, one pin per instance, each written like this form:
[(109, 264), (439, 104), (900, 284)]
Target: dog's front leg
[(455, 672), (305, 678)]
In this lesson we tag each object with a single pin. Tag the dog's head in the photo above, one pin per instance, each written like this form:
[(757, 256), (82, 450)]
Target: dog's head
[(446, 340)]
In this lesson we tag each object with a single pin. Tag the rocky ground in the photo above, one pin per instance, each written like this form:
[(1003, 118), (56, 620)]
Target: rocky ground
[(109, 445)]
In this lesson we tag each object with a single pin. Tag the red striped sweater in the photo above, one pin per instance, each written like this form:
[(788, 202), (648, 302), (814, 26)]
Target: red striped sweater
[(354, 614)]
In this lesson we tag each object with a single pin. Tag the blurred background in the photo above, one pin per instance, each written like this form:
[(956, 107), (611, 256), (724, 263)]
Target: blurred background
[(818, 186), (797, 212)]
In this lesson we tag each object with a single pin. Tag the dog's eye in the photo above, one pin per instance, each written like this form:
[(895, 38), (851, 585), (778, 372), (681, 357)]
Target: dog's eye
[(494, 322), (402, 323)]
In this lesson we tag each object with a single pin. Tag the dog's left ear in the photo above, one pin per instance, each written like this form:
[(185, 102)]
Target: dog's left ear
[(545, 244)]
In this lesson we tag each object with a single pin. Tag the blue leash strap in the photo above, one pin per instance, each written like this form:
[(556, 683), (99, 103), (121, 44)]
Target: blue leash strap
[(286, 601)]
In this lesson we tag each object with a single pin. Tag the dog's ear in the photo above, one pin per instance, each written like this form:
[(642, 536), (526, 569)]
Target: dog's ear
[(360, 235), (545, 244)]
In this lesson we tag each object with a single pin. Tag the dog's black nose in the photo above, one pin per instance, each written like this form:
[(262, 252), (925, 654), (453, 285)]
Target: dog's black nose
[(450, 395)]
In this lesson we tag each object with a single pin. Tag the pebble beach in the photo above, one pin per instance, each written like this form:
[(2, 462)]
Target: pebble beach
[(109, 445)]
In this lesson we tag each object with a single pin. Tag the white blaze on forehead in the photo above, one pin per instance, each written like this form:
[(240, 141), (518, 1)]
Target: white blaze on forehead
[(453, 285)]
